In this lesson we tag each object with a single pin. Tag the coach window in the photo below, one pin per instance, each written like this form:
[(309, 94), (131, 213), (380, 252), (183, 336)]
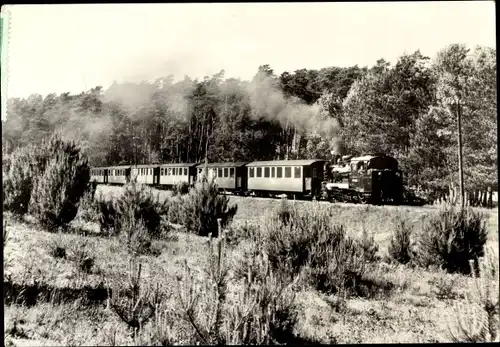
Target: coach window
[(226, 172), (259, 172), (279, 172), (266, 172), (251, 171), (288, 172), (231, 172), (273, 172), (297, 172), (169, 171), (185, 171)]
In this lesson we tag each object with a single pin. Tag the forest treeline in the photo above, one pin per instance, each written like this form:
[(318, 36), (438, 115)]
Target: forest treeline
[(407, 110)]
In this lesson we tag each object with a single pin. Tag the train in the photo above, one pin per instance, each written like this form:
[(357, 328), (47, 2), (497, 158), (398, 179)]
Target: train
[(371, 178)]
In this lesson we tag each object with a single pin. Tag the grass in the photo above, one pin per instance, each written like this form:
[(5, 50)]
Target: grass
[(416, 310)]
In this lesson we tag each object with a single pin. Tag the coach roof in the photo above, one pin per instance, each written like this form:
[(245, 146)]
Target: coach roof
[(212, 165), (179, 165), (285, 162)]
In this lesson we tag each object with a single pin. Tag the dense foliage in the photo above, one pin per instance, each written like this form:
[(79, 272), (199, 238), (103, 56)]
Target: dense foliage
[(407, 110), (47, 180)]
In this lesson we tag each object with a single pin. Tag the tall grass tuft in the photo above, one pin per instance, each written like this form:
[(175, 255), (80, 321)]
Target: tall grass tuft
[(451, 238)]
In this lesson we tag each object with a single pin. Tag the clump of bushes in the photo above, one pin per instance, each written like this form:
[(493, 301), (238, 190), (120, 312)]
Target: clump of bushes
[(451, 238), (310, 243), (400, 242), (18, 180), (47, 181), (201, 207), (180, 188), (477, 319), (265, 313), (133, 212)]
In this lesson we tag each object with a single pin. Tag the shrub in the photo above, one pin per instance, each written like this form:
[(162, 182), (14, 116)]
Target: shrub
[(57, 192), (265, 312), (137, 205), (202, 206), (180, 188), (88, 210), (476, 320), (18, 180), (399, 246), (310, 242), (368, 246), (451, 238)]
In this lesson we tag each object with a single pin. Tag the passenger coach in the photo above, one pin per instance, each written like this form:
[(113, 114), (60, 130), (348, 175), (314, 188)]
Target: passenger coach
[(171, 174), (119, 174), (292, 177), (230, 177), (147, 174), (99, 175)]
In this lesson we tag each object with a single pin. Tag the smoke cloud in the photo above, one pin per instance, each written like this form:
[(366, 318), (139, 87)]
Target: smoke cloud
[(270, 103)]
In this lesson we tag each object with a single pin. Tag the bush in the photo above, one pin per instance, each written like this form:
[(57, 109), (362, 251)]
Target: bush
[(452, 238), (18, 180), (135, 207), (199, 210), (476, 320), (308, 241), (57, 191), (399, 246), (180, 188), (265, 312), (88, 209), (368, 246)]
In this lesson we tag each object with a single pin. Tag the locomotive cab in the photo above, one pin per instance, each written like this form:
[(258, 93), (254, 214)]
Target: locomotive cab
[(377, 178)]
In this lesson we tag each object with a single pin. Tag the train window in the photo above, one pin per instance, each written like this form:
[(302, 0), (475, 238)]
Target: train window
[(273, 173), (297, 172), (259, 172), (251, 171), (226, 172), (279, 172), (185, 171), (288, 172), (266, 172), (169, 172), (176, 171), (219, 172), (231, 172)]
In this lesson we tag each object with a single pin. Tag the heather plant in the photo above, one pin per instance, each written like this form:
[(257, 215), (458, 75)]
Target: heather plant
[(451, 238), (200, 209), (400, 242)]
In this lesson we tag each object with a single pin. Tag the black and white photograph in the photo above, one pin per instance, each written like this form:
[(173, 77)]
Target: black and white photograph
[(249, 173)]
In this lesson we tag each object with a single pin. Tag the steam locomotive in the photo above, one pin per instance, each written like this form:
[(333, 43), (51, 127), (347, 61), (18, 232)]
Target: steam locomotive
[(373, 178)]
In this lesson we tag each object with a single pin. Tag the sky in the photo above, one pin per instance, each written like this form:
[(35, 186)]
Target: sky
[(72, 48)]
